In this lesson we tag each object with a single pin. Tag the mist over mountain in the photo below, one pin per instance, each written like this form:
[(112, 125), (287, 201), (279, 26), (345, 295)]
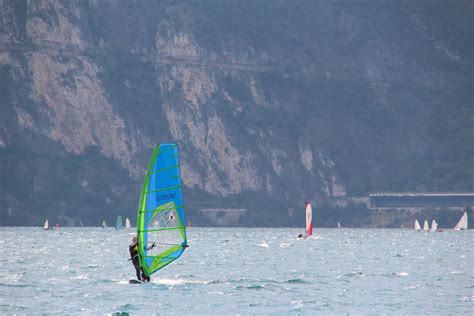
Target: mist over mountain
[(271, 102)]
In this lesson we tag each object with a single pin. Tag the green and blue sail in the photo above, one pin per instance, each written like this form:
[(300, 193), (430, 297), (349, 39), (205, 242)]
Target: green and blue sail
[(161, 222)]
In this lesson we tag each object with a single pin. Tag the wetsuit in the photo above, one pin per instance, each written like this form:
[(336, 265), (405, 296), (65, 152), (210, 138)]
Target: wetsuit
[(133, 249)]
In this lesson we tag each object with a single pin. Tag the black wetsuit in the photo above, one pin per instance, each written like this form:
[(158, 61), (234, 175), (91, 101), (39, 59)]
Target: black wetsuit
[(133, 249)]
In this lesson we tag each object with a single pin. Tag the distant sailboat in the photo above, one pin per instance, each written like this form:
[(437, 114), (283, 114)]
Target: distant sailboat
[(462, 224), (434, 225), (104, 224), (417, 225), (309, 219), (118, 222), (426, 226), (46, 225), (338, 225), (80, 222), (127, 223)]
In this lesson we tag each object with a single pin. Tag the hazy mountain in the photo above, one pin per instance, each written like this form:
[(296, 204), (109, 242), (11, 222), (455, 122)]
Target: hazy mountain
[(272, 103)]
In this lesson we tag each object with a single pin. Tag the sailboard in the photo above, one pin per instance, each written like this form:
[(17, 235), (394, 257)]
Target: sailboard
[(309, 219), (161, 223), (127, 223), (46, 225), (426, 226), (135, 281), (463, 223), (118, 222), (417, 225)]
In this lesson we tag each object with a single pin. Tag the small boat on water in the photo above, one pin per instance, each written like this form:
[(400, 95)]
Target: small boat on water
[(118, 222), (463, 223), (417, 225), (46, 225), (426, 226), (127, 223), (309, 219), (104, 224)]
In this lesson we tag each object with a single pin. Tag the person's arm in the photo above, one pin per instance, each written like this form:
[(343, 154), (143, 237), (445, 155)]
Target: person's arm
[(151, 247)]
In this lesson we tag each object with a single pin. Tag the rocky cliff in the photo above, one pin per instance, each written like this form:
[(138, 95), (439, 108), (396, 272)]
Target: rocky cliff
[(271, 102)]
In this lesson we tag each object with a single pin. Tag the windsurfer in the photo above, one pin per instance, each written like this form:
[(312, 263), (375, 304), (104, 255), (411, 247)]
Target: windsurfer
[(133, 249)]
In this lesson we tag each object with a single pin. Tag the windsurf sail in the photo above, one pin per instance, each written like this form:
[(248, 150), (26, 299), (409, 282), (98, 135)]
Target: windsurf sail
[(426, 226), (309, 219), (462, 224), (46, 225), (127, 223), (104, 224), (161, 224), (434, 225), (118, 222), (417, 225)]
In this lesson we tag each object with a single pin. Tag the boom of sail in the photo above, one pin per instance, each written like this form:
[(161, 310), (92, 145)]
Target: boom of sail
[(161, 224)]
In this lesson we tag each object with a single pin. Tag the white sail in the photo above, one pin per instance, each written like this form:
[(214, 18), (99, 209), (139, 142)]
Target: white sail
[(309, 219), (417, 225), (338, 225), (104, 224), (46, 225), (462, 224), (426, 226), (434, 225), (127, 223)]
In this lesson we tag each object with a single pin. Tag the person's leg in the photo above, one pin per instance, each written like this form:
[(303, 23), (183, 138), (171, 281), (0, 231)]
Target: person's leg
[(136, 265), (145, 278)]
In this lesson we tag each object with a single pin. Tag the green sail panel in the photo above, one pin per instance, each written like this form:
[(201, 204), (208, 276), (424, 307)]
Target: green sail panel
[(161, 220)]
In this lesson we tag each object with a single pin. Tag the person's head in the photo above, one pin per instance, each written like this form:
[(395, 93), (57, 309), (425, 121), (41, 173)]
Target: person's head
[(134, 239)]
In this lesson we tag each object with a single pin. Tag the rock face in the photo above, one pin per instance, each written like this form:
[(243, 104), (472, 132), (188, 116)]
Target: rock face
[(271, 103)]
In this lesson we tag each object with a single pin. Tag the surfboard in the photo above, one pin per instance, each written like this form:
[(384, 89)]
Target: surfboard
[(135, 281)]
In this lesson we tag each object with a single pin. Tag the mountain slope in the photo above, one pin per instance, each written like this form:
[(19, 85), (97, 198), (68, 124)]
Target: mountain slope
[(272, 103)]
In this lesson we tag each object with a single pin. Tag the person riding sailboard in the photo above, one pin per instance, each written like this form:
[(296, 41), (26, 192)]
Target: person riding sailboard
[(161, 223), (133, 250)]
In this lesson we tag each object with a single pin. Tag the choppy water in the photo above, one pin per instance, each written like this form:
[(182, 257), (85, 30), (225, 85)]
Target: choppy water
[(241, 270)]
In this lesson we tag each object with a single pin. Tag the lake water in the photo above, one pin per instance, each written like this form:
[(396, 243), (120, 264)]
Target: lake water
[(241, 271)]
